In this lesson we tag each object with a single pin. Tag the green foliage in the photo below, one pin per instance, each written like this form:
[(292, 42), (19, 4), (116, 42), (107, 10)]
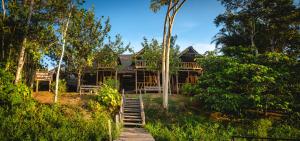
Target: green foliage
[(185, 125), (62, 86), (152, 54), (22, 118), (265, 82), (260, 25), (189, 89), (109, 97), (261, 127), (112, 83)]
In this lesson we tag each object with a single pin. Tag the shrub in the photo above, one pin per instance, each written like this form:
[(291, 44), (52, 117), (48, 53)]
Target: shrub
[(113, 83), (62, 86), (109, 97), (241, 84), (22, 118), (189, 89)]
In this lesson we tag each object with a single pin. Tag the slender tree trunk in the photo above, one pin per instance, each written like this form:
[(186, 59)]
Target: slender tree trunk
[(23, 48), (174, 7), (163, 71), (78, 80), (166, 83), (252, 36), (2, 43), (61, 57)]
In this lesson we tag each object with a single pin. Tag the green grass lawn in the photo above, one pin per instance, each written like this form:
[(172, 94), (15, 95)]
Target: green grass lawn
[(186, 121)]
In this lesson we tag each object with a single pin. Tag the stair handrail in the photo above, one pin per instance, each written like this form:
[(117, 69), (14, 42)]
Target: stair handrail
[(142, 109), (121, 112)]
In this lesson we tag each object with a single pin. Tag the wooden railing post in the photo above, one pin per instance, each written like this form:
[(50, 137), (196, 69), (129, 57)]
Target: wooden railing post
[(142, 109), (122, 107)]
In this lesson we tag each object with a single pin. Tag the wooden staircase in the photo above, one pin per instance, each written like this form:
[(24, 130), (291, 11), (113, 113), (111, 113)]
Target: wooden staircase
[(132, 111)]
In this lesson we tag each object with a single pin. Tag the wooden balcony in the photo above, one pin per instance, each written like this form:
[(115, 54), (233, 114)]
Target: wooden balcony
[(189, 65), (107, 66), (140, 64)]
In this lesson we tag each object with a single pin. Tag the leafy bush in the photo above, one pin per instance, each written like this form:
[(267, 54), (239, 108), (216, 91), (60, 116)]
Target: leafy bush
[(22, 118), (62, 86), (113, 83), (109, 97), (189, 89), (261, 84)]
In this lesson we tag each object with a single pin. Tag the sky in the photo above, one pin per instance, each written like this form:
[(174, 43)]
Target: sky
[(133, 20)]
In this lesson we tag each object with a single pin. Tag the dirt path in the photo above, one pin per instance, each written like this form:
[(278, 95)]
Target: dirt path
[(135, 134)]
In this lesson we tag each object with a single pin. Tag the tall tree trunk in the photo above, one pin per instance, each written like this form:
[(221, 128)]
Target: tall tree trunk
[(23, 48), (2, 42), (163, 70), (61, 56), (78, 80)]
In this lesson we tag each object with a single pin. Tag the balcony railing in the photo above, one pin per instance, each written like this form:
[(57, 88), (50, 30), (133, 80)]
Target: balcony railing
[(107, 66), (182, 65), (189, 65)]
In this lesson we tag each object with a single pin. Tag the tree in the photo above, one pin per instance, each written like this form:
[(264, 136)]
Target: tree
[(246, 22), (172, 10), (111, 50), (23, 58), (85, 39), (63, 38), (23, 46), (153, 52)]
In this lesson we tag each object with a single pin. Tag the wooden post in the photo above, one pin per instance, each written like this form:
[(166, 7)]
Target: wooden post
[(144, 82), (37, 86), (102, 76), (49, 85), (135, 81), (109, 130), (177, 89), (97, 77), (158, 81), (116, 77), (188, 76)]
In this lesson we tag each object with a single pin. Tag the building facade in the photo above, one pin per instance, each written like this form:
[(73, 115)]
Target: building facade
[(133, 76)]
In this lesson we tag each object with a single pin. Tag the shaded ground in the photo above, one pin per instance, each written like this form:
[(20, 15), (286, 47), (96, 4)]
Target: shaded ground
[(65, 99)]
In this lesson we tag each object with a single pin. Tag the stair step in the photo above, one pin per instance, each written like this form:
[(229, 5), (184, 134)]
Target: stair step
[(132, 116), (132, 106), (130, 123), (134, 103), (131, 98), (132, 109), (131, 119)]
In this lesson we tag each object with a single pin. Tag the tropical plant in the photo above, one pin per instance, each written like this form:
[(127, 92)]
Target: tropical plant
[(109, 97)]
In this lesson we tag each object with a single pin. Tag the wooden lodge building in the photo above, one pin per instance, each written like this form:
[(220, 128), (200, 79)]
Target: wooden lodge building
[(132, 75)]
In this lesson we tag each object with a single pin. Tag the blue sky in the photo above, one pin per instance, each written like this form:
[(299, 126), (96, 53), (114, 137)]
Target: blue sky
[(133, 20)]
